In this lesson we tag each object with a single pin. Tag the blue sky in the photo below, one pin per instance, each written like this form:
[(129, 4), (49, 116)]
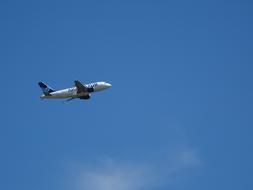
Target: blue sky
[(179, 114)]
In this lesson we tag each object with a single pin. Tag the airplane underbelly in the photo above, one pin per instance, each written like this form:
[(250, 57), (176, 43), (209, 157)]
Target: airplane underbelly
[(98, 88), (63, 94), (69, 95)]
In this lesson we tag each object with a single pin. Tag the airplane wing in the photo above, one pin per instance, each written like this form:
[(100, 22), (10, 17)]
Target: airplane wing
[(80, 87)]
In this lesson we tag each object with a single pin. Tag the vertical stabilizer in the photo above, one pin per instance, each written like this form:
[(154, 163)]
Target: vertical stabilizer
[(45, 88)]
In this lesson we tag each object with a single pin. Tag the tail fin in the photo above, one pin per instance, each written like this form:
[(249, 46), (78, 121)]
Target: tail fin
[(45, 88)]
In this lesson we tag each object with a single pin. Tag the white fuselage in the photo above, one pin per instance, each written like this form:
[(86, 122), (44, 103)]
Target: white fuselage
[(72, 92)]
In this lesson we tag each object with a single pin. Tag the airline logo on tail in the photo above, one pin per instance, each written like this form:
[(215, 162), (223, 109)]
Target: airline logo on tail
[(45, 88)]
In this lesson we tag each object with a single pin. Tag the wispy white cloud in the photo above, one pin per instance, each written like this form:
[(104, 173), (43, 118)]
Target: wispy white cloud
[(112, 175), (189, 158), (183, 158), (119, 175)]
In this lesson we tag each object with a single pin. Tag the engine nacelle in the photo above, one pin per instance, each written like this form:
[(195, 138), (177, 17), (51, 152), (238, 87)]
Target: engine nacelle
[(86, 97), (91, 89)]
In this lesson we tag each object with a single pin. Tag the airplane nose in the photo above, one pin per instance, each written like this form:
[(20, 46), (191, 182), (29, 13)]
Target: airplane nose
[(108, 85)]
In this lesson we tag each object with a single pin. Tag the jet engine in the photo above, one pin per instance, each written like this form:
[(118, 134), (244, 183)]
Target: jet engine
[(86, 97)]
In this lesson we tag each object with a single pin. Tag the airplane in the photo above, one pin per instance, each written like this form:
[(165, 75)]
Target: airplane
[(81, 91)]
